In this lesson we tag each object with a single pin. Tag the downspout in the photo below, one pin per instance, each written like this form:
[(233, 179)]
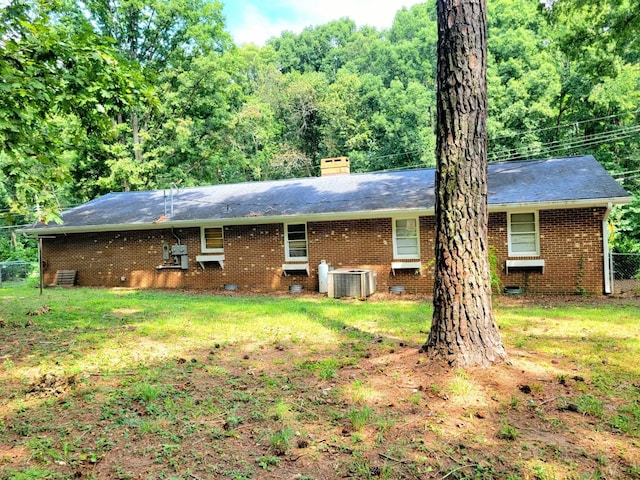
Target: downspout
[(606, 257)]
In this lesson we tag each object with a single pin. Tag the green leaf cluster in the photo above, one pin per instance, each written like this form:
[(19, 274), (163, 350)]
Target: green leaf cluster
[(100, 96)]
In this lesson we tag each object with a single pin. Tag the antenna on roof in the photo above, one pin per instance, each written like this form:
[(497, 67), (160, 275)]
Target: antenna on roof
[(172, 186)]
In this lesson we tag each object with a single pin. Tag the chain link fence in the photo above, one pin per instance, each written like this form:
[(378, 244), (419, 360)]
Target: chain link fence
[(15, 273), (625, 268)]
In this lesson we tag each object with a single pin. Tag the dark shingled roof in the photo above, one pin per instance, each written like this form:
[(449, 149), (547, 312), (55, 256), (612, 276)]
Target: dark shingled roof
[(543, 183)]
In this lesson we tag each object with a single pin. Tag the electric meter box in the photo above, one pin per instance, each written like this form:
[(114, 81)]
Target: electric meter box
[(178, 250)]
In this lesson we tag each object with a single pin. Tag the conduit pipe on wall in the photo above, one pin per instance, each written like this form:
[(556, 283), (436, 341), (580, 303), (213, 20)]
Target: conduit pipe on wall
[(169, 266), (606, 254)]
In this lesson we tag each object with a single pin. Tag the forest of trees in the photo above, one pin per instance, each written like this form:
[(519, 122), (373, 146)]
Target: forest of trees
[(103, 95)]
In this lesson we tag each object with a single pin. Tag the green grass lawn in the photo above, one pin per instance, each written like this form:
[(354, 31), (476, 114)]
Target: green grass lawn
[(98, 383)]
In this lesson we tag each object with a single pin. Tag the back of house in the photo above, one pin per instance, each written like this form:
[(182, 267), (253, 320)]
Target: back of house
[(548, 232)]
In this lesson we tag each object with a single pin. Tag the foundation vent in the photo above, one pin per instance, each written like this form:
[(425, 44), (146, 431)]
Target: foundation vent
[(65, 278)]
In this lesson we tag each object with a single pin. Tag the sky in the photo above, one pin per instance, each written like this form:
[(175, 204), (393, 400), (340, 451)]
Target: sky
[(255, 21)]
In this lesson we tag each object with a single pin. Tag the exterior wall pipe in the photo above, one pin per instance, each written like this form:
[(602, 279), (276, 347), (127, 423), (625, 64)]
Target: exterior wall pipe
[(606, 254)]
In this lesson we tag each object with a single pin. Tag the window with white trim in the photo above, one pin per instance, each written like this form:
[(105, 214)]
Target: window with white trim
[(524, 234), (296, 242), (406, 238), (212, 239)]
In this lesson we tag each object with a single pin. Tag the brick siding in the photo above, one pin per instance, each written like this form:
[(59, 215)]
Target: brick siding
[(570, 244)]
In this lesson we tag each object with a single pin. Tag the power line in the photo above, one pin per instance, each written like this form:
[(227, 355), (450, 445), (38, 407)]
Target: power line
[(615, 174), (567, 144), (571, 142), (568, 124)]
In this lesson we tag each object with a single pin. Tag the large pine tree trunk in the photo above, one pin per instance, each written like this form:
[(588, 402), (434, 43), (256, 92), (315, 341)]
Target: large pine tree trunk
[(463, 332)]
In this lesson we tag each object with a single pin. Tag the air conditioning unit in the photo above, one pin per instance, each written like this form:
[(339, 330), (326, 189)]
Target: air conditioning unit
[(347, 282)]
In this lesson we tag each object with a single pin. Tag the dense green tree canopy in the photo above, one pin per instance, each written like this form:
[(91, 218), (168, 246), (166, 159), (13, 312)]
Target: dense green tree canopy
[(133, 94)]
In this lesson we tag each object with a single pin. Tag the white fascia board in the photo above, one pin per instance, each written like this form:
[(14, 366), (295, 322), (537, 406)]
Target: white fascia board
[(557, 205)]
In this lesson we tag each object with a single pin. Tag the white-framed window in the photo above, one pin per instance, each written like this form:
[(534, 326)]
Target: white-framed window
[(406, 238), (295, 235), (212, 239), (524, 234)]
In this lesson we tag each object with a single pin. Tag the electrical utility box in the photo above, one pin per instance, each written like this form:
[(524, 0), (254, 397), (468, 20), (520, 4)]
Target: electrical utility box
[(178, 250)]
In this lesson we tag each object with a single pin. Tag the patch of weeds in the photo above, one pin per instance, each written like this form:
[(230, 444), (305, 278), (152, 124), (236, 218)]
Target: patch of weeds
[(627, 420), (590, 405), (360, 467), (271, 382), (325, 369), (435, 389), (602, 459), (383, 425), (419, 445), (217, 433), (7, 364), (359, 393), (268, 462), (562, 378), (237, 474), (482, 472), (242, 396), (336, 415), (433, 427), (279, 441), (68, 450), (121, 474), (31, 474), (633, 471), (557, 424), (217, 371), (359, 417), (520, 342), (507, 432), (460, 384), (232, 421), (257, 415), (542, 471), (146, 427), (415, 398), (536, 387), (396, 451), (22, 429), (553, 450), (167, 451), (281, 411), (42, 449), (145, 392)]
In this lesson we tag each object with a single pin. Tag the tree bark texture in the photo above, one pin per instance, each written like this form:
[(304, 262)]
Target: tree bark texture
[(463, 331)]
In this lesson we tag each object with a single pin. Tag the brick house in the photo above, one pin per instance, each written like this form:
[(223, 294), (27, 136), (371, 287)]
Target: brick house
[(548, 227)]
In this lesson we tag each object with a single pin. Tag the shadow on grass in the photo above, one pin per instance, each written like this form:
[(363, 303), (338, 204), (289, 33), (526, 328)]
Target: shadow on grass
[(184, 386)]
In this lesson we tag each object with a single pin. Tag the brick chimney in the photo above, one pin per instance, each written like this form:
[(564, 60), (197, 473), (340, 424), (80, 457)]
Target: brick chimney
[(334, 166)]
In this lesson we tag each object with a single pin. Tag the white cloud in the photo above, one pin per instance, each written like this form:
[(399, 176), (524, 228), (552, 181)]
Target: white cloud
[(256, 27), (253, 23), (378, 13)]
